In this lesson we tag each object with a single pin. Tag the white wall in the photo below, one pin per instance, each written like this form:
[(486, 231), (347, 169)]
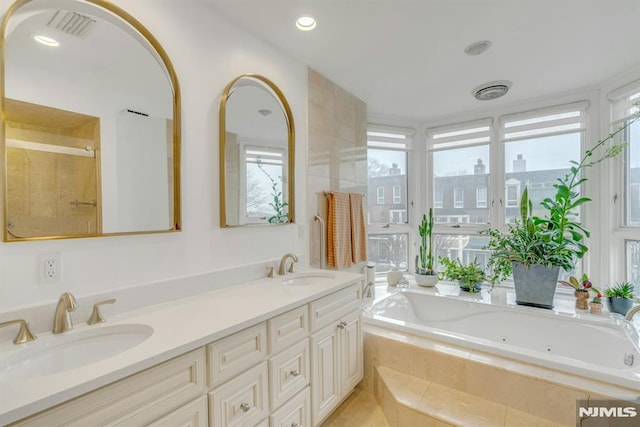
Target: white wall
[(207, 52)]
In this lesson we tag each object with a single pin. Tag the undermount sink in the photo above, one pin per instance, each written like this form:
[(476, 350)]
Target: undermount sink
[(308, 278), (53, 354)]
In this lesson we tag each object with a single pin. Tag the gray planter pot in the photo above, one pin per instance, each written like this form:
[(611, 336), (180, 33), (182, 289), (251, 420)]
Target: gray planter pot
[(464, 287), (536, 285), (619, 305)]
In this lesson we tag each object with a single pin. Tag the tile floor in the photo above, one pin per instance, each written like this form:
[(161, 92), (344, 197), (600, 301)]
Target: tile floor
[(359, 410)]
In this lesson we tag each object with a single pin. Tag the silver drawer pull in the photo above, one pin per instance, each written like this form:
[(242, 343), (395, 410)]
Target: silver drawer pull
[(294, 424), (245, 407), (294, 372), (342, 324)]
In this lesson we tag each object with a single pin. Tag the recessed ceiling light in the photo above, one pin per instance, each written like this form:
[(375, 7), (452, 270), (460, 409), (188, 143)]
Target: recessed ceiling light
[(47, 41), (306, 23), (477, 48)]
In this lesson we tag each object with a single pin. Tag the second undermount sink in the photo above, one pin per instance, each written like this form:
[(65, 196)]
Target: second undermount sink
[(308, 278), (53, 354)]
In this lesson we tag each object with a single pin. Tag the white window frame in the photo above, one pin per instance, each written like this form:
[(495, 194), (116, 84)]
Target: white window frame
[(397, 138), (380, 195), (458, 202), (397, 194), (618, 107), (401, 213), (482, 202), (548, 121)]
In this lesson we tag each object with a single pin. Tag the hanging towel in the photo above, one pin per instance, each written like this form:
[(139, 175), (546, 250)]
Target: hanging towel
[(339, 230), (358, 231)]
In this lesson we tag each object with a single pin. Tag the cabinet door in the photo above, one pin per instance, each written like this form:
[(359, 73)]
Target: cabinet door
[(325, 387), (351, 358)]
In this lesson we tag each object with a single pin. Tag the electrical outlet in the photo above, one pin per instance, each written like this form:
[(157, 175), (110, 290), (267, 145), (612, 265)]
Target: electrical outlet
[(50, 269)]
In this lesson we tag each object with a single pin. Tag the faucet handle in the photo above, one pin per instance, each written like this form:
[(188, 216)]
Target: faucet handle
[(270, 271), (24, 334), (96, 316)]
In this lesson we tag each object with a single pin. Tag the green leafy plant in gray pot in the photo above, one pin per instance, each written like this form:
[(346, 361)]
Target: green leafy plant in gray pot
[(534, 249), (620, 298), (425, 275), (469, 277)]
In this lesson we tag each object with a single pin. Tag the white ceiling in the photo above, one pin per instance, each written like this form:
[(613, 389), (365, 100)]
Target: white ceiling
[(405, 57)]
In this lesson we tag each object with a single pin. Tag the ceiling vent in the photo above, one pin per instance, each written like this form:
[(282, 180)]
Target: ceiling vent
[(477, 48), (72, 23), (491, 90)]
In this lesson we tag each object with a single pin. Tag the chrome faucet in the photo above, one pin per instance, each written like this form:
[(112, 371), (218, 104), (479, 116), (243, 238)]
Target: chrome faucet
[(631, 312), (62, 318), (283, 262)]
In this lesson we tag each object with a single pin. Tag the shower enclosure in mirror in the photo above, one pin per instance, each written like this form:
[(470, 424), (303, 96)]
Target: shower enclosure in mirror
[(256, 154), (91, 123)]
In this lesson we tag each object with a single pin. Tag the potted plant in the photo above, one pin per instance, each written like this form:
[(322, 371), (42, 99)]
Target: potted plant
[(425, 275), (534, 249), (595, 305), (581, 290), (469, 277), (620, 298)]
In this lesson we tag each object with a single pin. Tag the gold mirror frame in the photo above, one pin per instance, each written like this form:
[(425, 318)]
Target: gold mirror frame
[(268, 85), (143, 32)]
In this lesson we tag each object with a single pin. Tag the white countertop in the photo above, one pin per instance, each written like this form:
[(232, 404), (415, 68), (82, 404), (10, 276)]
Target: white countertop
[(179, 326)]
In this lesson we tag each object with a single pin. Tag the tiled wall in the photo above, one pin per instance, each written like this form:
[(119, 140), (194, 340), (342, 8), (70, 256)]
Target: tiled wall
[(337, 149)]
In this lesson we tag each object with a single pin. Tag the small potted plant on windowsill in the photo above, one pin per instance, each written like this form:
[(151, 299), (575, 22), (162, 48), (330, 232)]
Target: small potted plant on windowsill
[(425, 275), (620, 298), (469, 277), (581, 290), (595, 305)]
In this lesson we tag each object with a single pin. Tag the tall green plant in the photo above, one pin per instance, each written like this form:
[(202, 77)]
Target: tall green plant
[(278, 205), (424, 259)]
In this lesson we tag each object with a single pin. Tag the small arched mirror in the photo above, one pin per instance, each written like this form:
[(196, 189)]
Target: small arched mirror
[(256, 154), (91, 123)]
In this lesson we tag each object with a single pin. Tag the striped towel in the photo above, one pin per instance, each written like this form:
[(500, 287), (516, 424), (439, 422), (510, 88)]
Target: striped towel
[(339, 230), (358, 231)]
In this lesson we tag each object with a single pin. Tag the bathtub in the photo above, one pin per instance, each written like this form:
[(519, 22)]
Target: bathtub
[(595, 347)]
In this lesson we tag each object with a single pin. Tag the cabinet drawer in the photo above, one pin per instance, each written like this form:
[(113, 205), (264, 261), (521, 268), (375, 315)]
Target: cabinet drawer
[(136, 400), (287, 329), (294, 413), (326, 310), (233, 355), (194, 414), (289, 373), (243, 401)]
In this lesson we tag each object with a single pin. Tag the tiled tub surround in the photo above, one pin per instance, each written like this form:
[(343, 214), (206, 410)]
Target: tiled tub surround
[(425, 362), (179, 326)]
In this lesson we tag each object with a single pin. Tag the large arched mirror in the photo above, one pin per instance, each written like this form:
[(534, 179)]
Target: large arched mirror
[(256, 154), (91, 123)]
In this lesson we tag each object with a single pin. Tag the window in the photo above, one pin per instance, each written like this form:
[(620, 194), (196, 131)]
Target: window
[(396, 194), (528, 138), (460, 156), (512, 193), (458, 197), (264, 169), (481, 196), (626, 236), (389, 233), (380, 191), (438, 198), (397, 216)]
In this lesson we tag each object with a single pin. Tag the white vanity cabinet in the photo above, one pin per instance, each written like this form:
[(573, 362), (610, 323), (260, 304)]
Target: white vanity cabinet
[(336, 350), (140, 399), (290, 370)]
